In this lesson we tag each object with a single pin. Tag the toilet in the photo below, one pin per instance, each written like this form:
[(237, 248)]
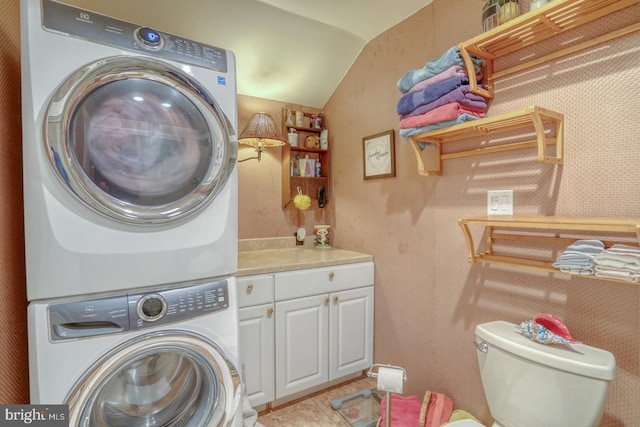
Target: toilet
[(528, 384)]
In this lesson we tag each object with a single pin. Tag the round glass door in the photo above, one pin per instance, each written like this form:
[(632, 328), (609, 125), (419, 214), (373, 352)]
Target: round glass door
[(138, 140), (161, 380)]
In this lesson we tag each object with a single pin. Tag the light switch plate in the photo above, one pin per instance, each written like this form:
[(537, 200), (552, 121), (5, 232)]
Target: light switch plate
[(500, 202)]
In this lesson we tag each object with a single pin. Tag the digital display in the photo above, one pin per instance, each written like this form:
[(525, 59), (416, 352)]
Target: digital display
[(150, 36)]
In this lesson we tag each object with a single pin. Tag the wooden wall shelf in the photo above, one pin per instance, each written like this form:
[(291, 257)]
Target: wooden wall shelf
[(535, 26), (593, 226), (308, 184), (535, 117)]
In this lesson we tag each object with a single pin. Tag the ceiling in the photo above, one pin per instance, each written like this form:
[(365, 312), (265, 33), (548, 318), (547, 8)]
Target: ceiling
[(295, 51)]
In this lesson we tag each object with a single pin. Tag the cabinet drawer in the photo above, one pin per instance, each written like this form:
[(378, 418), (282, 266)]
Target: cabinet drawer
[(313, 281), (253, 290)]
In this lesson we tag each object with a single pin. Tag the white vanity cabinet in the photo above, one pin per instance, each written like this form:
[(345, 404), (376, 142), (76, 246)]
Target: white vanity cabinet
[(257, 336), (324, 325)]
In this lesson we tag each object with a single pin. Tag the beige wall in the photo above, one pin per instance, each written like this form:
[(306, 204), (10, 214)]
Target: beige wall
[(259, 199), (428, 298)]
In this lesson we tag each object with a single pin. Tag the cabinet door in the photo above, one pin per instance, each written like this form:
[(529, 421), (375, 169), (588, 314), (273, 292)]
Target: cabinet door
[(256, 340), (350, 331), (302, 344)]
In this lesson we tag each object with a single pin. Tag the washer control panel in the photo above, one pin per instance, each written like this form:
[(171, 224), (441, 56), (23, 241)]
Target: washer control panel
[(108, 315), (69, 20)]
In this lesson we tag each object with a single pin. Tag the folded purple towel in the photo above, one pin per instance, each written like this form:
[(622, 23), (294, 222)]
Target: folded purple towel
[(412, 100), (461, 95)]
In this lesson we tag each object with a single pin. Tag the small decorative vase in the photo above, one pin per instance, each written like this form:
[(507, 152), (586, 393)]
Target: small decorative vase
[(289, 121), (322, 236)]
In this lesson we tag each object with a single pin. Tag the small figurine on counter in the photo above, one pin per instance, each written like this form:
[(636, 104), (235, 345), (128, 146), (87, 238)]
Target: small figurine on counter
[(322, 236)]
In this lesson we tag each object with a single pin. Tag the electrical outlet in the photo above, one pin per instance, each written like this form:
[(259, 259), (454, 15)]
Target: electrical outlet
[(500, 202)]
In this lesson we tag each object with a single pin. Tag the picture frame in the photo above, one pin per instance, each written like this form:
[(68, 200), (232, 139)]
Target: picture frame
[(379, 159)]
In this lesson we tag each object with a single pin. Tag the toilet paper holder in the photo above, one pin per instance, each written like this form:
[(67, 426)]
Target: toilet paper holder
[(374, 374), (395, 388)]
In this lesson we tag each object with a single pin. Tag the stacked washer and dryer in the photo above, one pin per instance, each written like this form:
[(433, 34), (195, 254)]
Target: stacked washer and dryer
[(130, 192)]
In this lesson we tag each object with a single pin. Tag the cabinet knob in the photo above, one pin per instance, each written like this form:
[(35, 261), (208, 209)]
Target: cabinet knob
[(269, 311), (331, 276), (249, 288), (326, 300), (335, 300)]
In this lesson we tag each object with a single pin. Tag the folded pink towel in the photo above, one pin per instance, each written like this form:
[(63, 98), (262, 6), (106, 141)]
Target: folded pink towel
[(455, 70), (439, 410), (405, 411), (443, 113), (463, 95)]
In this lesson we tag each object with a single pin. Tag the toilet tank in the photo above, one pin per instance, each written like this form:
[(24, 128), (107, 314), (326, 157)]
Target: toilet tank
[(528, 384)]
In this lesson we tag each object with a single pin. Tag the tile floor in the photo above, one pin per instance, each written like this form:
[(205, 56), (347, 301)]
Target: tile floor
[(315, 411)]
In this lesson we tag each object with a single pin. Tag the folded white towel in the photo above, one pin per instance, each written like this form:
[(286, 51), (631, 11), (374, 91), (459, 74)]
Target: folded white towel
[(617, 274), (624, 249), (623, 257), (578, 257)]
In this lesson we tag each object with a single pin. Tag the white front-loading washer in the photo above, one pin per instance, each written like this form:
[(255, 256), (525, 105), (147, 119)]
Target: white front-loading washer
[(152, 357), (129, 151)]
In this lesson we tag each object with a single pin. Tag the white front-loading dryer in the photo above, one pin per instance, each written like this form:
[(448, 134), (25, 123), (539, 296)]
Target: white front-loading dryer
[(152, 357), (129, 152)]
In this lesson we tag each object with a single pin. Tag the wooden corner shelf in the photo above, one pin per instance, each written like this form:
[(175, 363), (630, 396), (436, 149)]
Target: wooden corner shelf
[(309, 185), (559, 225), (535, 26), (533, 116)]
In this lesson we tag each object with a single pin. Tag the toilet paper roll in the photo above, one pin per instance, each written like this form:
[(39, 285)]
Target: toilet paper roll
[(390, 379)]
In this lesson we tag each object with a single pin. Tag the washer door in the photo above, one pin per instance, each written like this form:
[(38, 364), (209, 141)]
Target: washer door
[(170, 378), (138, 140)]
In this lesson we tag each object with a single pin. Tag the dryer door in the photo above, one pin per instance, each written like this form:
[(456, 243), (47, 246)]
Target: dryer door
[(165, 378), (138, 140)]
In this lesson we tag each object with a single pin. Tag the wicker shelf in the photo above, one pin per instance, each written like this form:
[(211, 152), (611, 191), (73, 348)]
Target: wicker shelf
[(560, 226), (535, 26), (535, 117)]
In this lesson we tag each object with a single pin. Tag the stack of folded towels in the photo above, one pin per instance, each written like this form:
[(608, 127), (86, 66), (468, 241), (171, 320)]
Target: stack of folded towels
[(579, 257), (619, 262), (438, 95)]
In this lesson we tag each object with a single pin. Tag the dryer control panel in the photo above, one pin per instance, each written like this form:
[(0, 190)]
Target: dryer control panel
[(108, 315), (173, 305), (82, 23)]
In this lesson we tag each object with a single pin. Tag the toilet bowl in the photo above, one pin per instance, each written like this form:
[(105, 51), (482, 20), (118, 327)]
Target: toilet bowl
[(528, 384)]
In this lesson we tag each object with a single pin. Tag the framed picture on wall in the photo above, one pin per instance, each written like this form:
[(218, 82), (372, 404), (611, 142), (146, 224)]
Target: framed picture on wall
[(379, 155)]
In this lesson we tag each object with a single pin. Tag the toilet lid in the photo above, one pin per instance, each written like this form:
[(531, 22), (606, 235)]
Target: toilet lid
[(464, 423)]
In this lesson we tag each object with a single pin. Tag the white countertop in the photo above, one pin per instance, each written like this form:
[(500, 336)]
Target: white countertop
[(264, 261)]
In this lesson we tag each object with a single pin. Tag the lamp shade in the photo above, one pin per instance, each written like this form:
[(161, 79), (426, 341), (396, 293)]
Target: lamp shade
[(261, 131)]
